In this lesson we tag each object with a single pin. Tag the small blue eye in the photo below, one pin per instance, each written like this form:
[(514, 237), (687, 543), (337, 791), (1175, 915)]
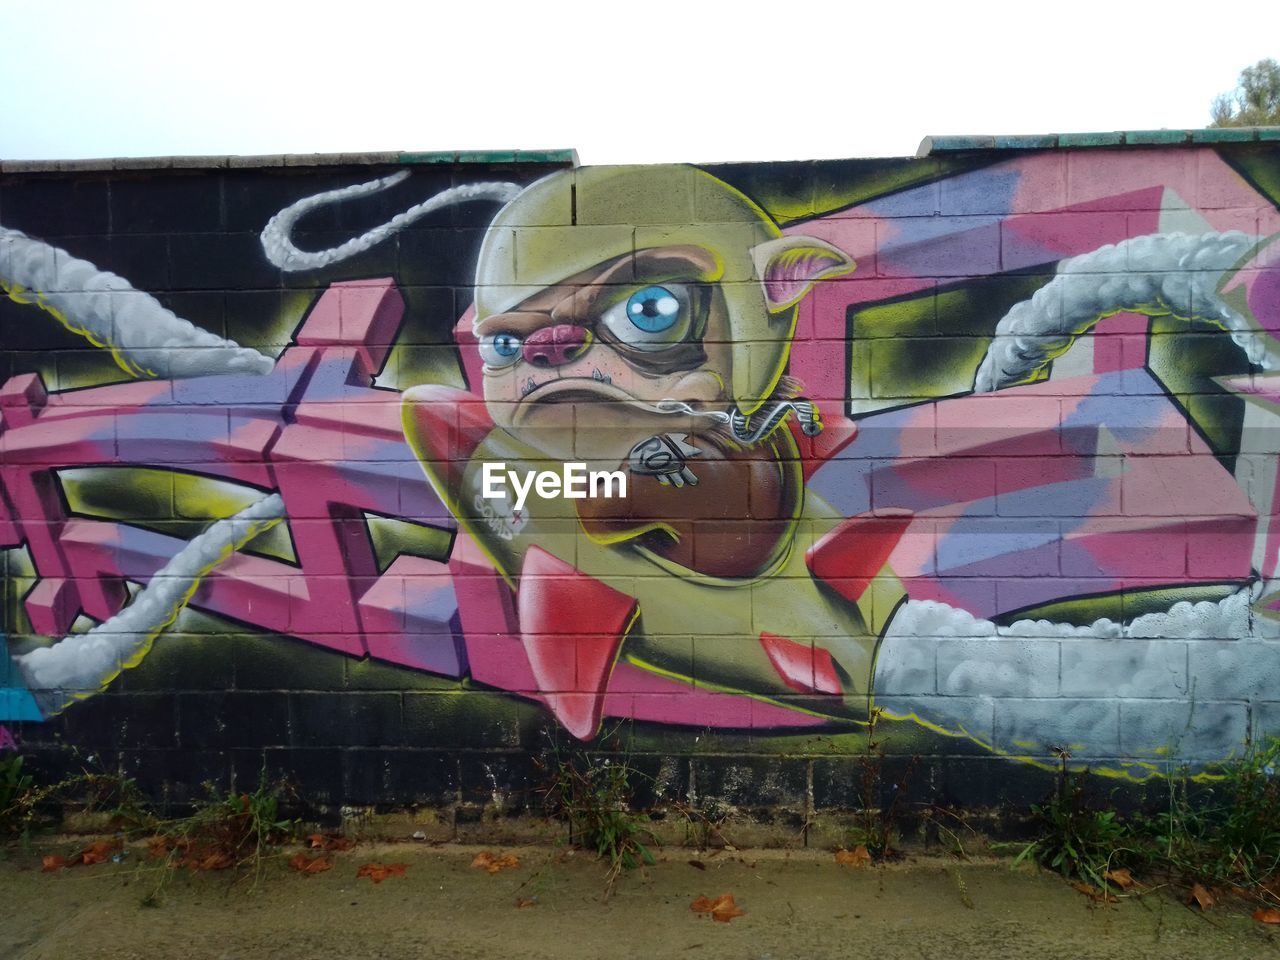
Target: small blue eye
[(506, 344), (500, 349), (653, 309)]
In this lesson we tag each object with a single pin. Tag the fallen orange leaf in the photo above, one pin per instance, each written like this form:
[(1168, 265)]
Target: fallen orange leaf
[(52, 863), (489, 862), (217, 860), (857, 857), (722, 908), (99, 851), (523, 903), (1268, 915), (328, 841), (1120, 877), (1202, 897), (1093, 893), (377, 872), (304, 864)]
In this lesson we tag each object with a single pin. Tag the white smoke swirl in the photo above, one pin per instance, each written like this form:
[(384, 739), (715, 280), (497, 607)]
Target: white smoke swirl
[(1035, 685), (1156, 275), (277, 236), (146, 338), (81, 664)]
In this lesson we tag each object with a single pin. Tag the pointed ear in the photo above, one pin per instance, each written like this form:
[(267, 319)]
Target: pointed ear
[(787, 267)]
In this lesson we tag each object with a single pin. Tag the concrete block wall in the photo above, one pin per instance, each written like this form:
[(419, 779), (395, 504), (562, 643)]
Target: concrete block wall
[(979, 446)]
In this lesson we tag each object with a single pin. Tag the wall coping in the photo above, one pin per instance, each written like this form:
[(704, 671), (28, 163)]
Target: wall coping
[(929, 146), (565, 158), (934, 145)]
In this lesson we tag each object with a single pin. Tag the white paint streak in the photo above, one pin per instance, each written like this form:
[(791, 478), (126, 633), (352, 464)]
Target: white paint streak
[(1160, 274), (958, 672), (146, 338), (277, 236), (80, 664)]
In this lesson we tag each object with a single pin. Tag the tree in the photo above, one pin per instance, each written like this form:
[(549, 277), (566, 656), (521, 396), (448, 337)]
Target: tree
[(1256, 100)]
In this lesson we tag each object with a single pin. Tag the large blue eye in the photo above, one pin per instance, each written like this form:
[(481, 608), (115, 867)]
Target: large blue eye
[(506, 344), (653, 309)]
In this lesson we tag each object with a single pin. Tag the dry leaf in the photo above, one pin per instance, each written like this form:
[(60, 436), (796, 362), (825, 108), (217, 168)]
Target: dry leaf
[(1267, 915), (857, 857), (1120, 877), (485, 860), (697, 864), (52, 863), (99, 851), (523, 903), (304, 864), (328, 841), (1093, 893), (1201, 896), (217, 860), (377, 872), (722, 908)]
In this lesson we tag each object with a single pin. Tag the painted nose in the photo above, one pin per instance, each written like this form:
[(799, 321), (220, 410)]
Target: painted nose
[(557, 345)]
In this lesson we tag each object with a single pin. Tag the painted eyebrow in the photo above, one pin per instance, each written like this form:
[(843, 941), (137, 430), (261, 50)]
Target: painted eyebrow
[(651, 266), (584, 299)]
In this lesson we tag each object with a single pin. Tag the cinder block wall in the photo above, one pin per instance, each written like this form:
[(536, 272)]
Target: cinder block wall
[(978, 448)]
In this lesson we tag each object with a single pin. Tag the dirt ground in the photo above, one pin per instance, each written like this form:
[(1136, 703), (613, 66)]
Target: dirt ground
[(797, 905)]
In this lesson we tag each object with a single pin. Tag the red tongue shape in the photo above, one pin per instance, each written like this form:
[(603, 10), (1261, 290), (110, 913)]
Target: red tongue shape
[(572, 626)]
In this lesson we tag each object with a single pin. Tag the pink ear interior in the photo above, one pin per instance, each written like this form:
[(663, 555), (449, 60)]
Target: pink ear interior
[(789, 273)]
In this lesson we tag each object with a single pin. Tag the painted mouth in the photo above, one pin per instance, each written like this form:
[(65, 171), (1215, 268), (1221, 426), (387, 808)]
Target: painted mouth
[(530, 385), (593, 389)]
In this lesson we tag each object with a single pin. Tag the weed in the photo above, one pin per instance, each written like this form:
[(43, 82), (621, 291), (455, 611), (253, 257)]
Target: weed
[(14, 787), (1076, 840), (704, 822), (876, 822), (1228, 832), (594, 797), (951, 829), (962, 888), (224, 831), (112, 801)]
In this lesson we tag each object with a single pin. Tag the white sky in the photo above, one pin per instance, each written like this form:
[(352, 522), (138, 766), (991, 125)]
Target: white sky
[(635, 82)]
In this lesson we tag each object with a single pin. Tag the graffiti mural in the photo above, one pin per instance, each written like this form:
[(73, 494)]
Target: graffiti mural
[(987, 443)]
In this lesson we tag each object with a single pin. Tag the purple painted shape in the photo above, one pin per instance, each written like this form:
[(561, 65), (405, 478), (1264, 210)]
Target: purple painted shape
[(642, 695), (940, 247), (410, 617), (1072, 457)]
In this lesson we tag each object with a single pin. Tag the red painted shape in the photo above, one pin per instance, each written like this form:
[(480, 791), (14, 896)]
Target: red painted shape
[(21, 399), (361, 313), (802, 666), (445, 424), (838, 431), (571, 626), (849, 556)]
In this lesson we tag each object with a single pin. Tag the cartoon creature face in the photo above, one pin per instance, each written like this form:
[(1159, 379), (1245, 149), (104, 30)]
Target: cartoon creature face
[(599, 295), (592, 356)]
